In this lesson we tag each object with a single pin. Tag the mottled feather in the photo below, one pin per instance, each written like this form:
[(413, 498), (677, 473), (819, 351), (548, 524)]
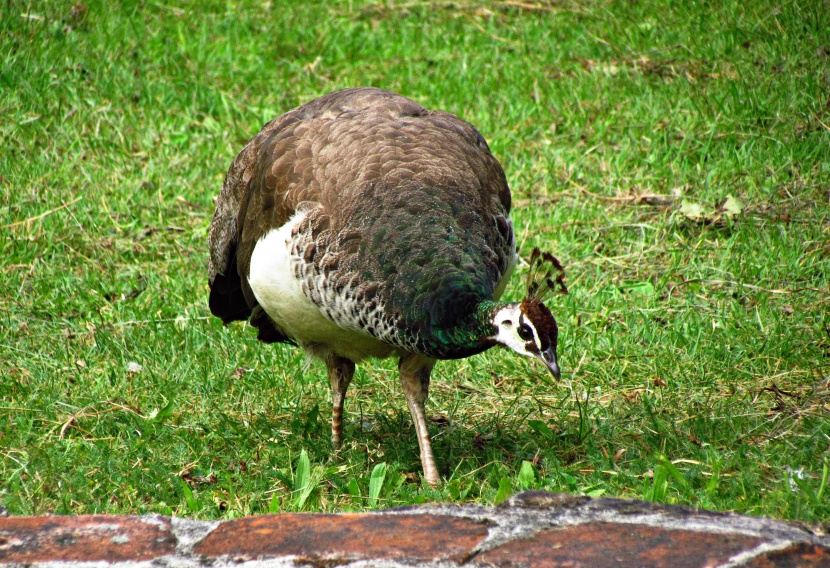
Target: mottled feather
[(407, 211)]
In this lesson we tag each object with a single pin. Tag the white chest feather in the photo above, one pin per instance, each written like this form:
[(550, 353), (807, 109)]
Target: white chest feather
[(280, 293)]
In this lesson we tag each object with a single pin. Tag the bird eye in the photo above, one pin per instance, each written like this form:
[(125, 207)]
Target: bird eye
[(525, 332), (507, 323)]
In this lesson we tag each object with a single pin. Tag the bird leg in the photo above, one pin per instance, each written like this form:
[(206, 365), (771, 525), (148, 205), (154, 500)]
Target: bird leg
[(340, 372), (414, 372)]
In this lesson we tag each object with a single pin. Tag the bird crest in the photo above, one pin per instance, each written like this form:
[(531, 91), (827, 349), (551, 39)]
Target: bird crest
[(545, 276)]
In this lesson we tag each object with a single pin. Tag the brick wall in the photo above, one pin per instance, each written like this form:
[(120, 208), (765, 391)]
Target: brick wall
[(530, 529)]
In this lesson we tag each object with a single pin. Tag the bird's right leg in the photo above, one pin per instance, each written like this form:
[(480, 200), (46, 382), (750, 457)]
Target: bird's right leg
[(340, 372), (414, 371)]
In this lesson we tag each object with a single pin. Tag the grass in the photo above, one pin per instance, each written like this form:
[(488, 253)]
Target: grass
[(694, 342)]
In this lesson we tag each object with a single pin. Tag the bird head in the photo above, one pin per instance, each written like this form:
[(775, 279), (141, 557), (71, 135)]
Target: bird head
[(528, 327)]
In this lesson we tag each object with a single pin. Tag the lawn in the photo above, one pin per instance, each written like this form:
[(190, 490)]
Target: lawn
[(675, 156)]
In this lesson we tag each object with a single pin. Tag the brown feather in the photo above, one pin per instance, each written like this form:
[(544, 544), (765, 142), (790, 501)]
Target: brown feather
[(350, 154), (540, 276)]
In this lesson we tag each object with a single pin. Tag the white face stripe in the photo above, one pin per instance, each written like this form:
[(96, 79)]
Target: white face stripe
[(524, 321)]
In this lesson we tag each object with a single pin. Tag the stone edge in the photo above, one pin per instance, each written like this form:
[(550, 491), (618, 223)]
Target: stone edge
[(519, 517)]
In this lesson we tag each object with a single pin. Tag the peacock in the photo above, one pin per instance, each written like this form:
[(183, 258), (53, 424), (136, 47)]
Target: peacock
[(361, 224)]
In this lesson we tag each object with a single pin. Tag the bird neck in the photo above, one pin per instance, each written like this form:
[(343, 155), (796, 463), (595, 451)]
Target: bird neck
[(471, 334)]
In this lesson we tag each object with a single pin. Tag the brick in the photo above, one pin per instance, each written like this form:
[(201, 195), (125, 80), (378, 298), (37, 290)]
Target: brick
[(84, 538), (801, 555), (333, 539), (544, 500), (608, 544)]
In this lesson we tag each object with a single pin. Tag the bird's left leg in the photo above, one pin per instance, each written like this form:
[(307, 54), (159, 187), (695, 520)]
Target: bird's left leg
[(340, 372), (415, 371)]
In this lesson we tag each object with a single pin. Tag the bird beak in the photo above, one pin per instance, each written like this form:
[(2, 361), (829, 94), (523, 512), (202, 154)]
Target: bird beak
[(548, 357)]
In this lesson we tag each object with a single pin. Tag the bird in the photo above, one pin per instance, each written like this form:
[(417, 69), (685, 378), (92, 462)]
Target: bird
[(360, 224)]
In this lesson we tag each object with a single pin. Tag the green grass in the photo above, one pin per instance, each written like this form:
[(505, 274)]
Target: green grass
[(695, 350)]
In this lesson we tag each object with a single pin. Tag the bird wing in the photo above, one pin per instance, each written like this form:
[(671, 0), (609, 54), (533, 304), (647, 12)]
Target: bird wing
[(278, 169), (382, 178)]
